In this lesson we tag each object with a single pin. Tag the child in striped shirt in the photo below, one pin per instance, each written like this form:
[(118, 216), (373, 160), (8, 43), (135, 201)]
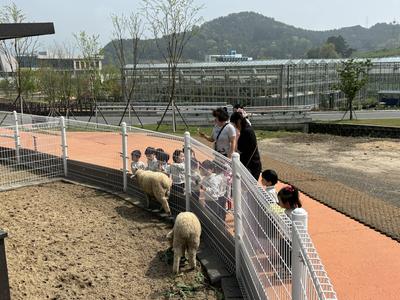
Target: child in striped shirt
[(177, 171)]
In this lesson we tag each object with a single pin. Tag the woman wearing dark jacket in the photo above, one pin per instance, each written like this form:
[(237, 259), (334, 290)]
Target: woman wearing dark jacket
[(247, 145)]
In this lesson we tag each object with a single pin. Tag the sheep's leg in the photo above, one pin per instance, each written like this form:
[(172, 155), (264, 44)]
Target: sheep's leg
[(192, 257), (177, 259), (170, 238), (147, 197), (165, 205)]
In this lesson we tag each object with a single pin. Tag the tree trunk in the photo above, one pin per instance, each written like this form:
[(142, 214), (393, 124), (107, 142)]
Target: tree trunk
[(172, 95), (123, 86), (351, 108)]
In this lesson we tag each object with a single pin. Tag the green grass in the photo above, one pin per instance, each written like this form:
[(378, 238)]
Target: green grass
[(261, 134), (379, 122), (180, 129), (378, 53)]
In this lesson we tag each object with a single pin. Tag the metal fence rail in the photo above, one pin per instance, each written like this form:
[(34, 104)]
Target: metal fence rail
[(266, 243), (272, 258), (314, 282), (30, 153)]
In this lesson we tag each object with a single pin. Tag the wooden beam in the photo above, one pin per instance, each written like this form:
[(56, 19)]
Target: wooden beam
[(20, 30)]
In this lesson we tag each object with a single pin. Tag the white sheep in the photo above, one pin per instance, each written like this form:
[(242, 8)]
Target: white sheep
[(185, 237), (156, 185)]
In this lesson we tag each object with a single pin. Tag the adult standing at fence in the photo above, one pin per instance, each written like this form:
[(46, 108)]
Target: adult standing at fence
[(247, 145), (223, 135)]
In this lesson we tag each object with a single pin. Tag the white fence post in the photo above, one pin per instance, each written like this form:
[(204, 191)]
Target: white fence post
[(299, 215), (237, 194), (16, 137), (64, 145), (188, 179), (124, 156)]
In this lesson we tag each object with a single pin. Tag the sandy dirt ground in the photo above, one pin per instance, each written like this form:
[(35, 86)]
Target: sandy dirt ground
[(366, 164), (71, 242)]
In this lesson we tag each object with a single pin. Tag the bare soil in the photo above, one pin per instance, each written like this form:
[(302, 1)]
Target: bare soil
[(71, 242), (366, 164)]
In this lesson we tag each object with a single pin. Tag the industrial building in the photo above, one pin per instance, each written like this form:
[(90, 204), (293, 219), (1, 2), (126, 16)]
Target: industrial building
[(261, 83)]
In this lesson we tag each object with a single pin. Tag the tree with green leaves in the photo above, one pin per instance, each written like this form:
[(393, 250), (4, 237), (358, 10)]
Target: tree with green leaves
[(353, 76), (341, 46), (89, 47)]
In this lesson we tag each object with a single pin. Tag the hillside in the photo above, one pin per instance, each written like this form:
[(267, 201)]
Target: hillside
[(378, 53), (262, 37)]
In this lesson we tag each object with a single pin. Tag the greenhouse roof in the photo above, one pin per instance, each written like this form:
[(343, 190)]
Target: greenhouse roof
[(260, 63)]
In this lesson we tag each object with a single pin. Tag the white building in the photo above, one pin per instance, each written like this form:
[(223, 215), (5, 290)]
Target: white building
[(232, 56)]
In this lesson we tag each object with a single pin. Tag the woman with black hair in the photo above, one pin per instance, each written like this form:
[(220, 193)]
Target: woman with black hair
[(223, 134), (247, 144)]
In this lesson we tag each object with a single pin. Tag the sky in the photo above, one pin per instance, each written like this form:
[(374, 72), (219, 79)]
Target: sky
[(93, 16)]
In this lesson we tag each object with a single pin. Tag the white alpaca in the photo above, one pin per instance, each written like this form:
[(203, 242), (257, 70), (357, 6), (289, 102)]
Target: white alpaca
[(185, 237), (155, 184)]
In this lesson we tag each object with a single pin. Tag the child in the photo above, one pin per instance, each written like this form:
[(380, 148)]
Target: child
[(266, 232), (177, 171), (214, 195), (162, 159), (158, 151), (268, 179), (289, 199), (136, 163), (196, 178), (152, 163)]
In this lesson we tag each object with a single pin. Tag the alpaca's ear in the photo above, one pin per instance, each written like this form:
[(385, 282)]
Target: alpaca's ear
[(170, 235)]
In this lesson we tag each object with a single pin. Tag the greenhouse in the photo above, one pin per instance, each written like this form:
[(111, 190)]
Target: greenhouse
[(260, 83)]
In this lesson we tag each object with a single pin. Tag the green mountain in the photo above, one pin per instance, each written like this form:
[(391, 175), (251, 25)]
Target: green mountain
[(261, 37)]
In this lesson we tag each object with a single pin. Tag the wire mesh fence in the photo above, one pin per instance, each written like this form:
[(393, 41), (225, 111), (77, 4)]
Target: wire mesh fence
[(30, 153), (155, 151), (277, 262), (266, 241), (247, 230), (211, 198), (97, 147), (313, 282)]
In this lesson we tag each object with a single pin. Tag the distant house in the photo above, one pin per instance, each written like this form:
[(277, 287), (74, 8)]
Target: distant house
[(75, 64), (231, 57)]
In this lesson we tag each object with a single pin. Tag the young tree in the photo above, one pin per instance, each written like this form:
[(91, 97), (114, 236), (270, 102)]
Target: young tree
[(173, 24), (328, 51), (353, 76), (89, 47), (18, 53), (64, 53), (131, 29), (49, 82), (55, 78)]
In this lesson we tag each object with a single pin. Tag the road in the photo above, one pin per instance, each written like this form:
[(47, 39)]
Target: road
[(316, 116), (376, 114)]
